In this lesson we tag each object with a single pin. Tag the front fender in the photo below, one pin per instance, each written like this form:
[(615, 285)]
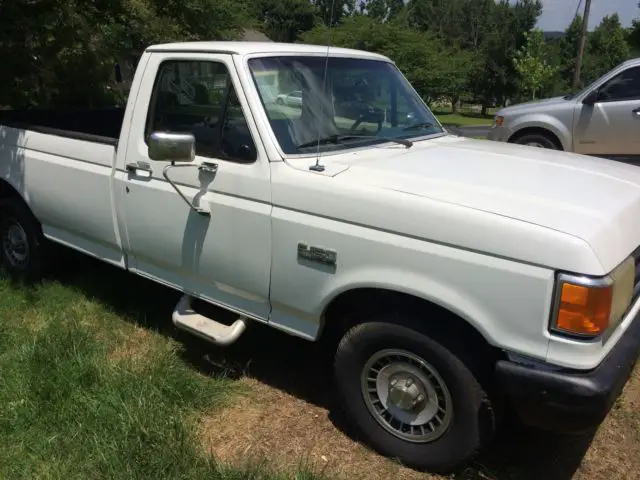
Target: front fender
[(409, 283), (507, 303), (545, 122)]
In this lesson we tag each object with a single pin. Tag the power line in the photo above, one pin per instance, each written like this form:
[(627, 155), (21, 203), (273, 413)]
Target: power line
[(577, 9)]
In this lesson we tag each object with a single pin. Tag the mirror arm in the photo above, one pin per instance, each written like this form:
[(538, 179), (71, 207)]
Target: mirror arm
[(205, 167)]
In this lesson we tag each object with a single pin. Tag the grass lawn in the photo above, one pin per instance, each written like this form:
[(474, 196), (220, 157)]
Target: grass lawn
[(463, 120), (95, 383), (87, 390)]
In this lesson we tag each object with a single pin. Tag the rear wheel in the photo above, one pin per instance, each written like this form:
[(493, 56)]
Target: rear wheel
[(411, 398), (21, 242)]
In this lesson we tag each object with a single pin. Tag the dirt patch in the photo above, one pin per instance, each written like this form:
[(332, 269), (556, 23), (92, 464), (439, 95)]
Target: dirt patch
[(615, 451), (287, 430), (133, 348)]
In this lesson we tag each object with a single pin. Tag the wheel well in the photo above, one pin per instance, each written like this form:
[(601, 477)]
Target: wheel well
[(8, 191), (351, 308), (536, 131)]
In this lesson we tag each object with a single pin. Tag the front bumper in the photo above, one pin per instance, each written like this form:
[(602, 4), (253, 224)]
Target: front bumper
[(570, 401)]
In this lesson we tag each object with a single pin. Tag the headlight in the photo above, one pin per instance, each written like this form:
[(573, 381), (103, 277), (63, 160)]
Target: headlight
[(498, 121), (589, 307)]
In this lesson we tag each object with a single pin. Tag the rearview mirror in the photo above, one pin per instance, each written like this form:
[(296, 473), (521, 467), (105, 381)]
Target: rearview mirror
[(172, 147), (591, 98)]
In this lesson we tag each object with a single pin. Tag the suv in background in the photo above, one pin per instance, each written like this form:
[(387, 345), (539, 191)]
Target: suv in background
[(602, 120)]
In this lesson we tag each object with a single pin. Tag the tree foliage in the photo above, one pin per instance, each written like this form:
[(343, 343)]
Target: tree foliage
[(63, 52), (424, 59), (531, 63), (284, 20), (607, 47)]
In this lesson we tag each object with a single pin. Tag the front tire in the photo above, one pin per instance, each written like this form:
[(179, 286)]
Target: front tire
[(21, 242), (537, 140), (411, 398)]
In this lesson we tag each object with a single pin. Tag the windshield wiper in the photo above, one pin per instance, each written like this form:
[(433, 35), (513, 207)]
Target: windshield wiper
[(418, 125), (339, 138)]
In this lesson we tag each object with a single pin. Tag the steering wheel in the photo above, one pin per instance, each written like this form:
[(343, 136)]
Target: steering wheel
[(370, 114)]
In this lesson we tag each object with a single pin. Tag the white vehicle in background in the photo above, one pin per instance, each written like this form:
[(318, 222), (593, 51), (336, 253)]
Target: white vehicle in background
[(455, 275), (601, 120), (291, 99)]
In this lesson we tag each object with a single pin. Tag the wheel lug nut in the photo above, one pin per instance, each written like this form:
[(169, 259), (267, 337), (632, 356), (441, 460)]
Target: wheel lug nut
[(394, 382), (409, 382)]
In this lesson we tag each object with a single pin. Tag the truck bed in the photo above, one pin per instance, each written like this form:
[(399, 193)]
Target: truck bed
[(96, 125)]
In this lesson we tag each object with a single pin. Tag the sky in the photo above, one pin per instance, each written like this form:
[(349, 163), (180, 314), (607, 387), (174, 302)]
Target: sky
[(557, 14)]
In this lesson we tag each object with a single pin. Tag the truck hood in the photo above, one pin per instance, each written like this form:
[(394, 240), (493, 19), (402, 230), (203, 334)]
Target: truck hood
[(594, 199)]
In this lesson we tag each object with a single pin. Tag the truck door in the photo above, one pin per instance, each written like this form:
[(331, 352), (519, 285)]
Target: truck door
[(611, 126), (215, 243)]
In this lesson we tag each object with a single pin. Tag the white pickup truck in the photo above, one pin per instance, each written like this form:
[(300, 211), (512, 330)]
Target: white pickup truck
[(458, 276)]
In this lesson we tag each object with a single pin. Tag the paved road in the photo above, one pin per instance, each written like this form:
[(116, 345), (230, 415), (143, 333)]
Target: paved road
[(471, 131)]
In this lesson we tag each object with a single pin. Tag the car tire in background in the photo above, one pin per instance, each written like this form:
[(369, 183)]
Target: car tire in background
[(411, 398)]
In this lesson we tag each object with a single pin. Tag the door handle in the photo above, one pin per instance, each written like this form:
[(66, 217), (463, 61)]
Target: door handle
[(133, 166)]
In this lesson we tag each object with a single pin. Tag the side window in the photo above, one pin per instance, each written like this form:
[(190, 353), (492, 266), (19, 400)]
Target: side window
[(193, 96), (624, 86)]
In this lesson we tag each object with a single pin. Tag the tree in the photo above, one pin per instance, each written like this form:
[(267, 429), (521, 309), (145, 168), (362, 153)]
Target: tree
[(381, 10), (332, 12), (607, 47), (531, 64), (494, 78), (569, 52), (284, 20), (63, 52), (432, 67), (633, 37)]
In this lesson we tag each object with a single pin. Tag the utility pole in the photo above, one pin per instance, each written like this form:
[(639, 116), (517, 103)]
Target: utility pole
[(583, 38)]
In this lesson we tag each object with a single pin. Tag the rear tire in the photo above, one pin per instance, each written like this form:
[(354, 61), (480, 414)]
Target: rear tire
[(537, 140), (387, 374), (21, 242)]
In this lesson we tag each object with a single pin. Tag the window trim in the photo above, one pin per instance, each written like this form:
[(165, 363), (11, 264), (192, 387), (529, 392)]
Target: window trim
[(151, 110)]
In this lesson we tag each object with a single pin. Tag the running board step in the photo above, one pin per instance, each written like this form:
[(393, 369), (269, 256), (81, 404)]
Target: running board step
[(185, 318)]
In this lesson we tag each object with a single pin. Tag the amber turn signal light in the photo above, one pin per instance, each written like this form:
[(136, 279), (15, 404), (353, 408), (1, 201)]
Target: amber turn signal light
[(584, 310)]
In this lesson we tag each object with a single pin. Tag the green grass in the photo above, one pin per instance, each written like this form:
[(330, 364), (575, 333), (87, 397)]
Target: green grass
[(463, 120), (86, 392)]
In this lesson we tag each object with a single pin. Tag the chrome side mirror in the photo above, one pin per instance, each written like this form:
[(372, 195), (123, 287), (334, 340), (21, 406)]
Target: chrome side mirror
[(172, 147)]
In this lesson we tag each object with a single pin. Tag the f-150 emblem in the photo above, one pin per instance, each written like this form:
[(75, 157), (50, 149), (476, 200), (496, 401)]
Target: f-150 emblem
[(317, 254)]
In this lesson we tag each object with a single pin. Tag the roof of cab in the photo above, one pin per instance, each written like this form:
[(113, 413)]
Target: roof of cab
[(248, 48)]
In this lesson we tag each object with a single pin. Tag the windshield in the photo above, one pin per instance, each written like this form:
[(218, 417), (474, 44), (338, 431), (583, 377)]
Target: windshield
[(361, 102)]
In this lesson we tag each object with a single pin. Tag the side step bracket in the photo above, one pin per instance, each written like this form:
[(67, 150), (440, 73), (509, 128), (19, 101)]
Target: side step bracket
[(185, 318)]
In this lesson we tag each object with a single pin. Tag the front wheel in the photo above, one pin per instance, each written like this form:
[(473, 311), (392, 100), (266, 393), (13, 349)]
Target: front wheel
[(411, 398), (537, 140)]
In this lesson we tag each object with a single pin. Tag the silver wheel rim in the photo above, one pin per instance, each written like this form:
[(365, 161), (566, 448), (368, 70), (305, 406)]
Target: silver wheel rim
[(15, 245), (406, 396), (535, 144)]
